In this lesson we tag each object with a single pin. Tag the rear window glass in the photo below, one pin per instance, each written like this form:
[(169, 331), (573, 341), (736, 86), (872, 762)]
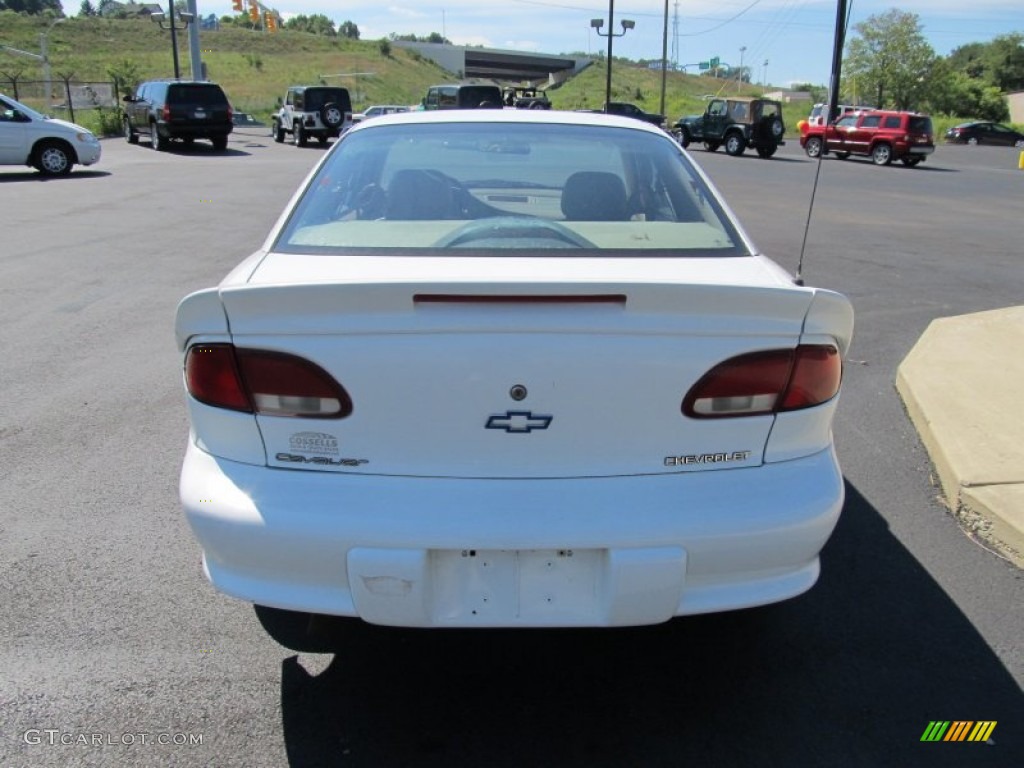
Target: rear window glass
[(475, 95), (316, 98), (921, 124), (510, 188), (197, 94)]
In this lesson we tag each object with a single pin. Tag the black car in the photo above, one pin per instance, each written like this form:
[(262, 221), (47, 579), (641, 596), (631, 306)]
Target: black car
[(463, 96), (985, 133), (168, 110)]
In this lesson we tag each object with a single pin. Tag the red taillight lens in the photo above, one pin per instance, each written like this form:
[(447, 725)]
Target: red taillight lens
[(766, 382), (817, 373), (269, 383), (231, 114), (166, 113), (211, 376)]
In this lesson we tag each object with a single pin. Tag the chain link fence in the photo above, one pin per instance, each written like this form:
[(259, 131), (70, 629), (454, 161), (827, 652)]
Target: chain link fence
[(62, 97)]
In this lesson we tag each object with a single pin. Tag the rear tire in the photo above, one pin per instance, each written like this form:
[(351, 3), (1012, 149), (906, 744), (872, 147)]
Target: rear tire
[(299, 135), (910, 162), (160, 143), (881, 154), (766, 152), (220, 143), (712, 146)]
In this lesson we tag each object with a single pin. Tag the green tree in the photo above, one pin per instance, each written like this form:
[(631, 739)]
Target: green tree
[(87, 9), (890, 62), (348, 29), (1004, 62), (317, 24), (126, 74)]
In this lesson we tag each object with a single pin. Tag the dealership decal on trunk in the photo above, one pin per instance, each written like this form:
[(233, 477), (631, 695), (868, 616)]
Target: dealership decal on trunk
[(313, 442)]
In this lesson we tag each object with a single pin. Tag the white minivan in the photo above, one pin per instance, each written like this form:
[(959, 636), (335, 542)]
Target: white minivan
[(49, 145)]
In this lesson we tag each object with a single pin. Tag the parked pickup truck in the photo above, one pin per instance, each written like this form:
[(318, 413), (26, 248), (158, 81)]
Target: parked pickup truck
[(629, 110)]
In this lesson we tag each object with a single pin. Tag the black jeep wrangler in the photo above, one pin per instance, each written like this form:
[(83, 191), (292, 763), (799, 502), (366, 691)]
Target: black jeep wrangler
[(737, 123)]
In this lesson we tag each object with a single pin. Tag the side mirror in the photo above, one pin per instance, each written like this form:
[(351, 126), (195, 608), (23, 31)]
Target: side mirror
[(128, 99)]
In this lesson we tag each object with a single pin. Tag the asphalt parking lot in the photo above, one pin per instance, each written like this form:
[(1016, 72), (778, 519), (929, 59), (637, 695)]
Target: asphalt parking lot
[(115, 651)]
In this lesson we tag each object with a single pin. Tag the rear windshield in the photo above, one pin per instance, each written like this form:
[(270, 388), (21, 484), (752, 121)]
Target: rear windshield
[(920, 125), (510, 188), (478, 95), (209, 95), (314, 99)]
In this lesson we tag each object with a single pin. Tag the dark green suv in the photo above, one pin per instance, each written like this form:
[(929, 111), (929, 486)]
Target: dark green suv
[(737, 123), (178, 110)]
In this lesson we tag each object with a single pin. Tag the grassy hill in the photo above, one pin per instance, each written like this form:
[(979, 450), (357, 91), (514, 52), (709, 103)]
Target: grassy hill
[(255, 68)]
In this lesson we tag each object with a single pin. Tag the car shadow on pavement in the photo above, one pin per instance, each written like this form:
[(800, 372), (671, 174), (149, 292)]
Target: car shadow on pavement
[(199, 150), (35, 176), (850, 674)]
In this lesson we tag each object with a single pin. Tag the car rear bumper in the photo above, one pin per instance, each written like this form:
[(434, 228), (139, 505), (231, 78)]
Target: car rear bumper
[(565, 552)]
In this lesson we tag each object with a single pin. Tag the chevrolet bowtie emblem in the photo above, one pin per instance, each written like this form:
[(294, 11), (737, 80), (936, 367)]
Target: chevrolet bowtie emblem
[(518, 421)]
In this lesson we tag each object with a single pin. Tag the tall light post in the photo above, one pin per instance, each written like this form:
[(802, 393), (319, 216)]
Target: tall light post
[(44, 49), (187, 18), (739, 74), (764, 80), (596, 24)]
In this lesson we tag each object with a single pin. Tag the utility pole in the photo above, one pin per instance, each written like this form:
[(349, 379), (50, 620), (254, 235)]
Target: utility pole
[(739, 74)]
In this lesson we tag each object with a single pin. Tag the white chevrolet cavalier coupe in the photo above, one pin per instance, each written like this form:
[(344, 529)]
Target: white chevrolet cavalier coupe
[(509, 369)]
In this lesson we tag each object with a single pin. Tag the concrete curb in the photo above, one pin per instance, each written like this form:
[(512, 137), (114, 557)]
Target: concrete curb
[(962, 384)]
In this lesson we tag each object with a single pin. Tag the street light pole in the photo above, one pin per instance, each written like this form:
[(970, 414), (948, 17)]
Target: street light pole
[(44, 49), (158, 18), (739, 74), (596, 24)]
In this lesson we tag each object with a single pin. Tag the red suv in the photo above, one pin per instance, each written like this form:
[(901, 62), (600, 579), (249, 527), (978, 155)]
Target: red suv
[(881, 135)]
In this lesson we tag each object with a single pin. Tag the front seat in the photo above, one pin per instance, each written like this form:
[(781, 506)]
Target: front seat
[(418, 195), (594, 196)]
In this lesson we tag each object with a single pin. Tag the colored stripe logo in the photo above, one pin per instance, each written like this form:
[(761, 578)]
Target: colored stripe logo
[(959, 730)]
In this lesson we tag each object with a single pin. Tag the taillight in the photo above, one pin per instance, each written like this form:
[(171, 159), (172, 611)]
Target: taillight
[(166, 114), (231, 114), (265, 382), (766, 382)]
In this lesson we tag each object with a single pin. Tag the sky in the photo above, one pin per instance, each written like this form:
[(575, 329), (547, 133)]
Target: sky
[(785, 41)]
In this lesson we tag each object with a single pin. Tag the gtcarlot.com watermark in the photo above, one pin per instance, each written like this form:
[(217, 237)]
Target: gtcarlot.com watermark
[(56, 737)]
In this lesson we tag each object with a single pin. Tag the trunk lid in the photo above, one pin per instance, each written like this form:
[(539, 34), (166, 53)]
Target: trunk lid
[(513, 367)]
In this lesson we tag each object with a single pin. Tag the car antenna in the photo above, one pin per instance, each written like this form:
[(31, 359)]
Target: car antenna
[(842, 22)]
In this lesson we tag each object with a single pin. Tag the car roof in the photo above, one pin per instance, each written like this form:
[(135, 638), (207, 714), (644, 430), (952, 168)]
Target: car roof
[(511, 117)]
